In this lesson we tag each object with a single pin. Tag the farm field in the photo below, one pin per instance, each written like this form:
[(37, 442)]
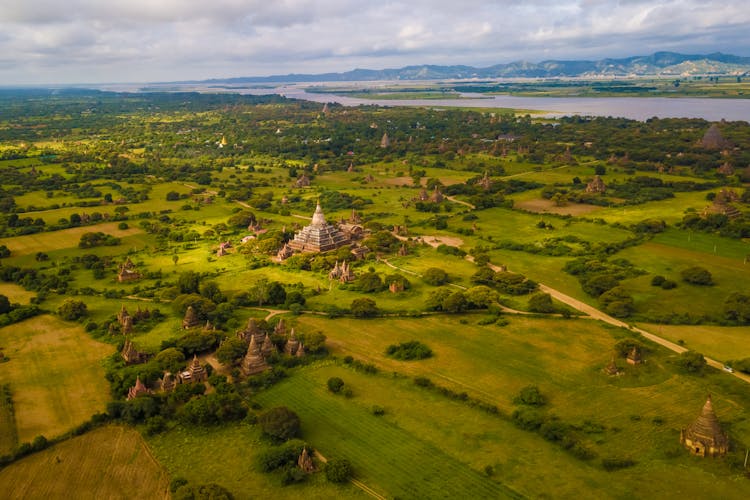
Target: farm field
[(54, 374), (110, 462)]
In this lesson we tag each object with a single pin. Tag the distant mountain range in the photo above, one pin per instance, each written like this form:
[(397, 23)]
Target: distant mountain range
[(658, 64)]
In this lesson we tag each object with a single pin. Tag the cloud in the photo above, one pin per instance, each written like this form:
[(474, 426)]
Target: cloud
[(147, 40)]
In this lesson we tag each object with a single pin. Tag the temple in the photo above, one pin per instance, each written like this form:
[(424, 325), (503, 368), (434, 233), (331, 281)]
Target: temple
[(195, 372), (320, 236), (191, 319), (253, 362), (138, 389), (704, 437)]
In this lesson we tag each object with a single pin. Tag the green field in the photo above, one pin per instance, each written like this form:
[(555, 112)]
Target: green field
[(55, 375), (227, 456), (110, 462)]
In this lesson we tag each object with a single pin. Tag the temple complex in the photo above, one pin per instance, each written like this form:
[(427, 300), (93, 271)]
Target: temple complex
[(704, 437), (319, 236)]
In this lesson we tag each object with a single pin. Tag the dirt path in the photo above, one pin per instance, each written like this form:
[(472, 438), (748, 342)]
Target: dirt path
[(466, 203)]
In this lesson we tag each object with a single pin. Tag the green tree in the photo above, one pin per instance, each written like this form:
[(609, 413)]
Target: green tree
[(338, 470), (231, 351), (455, 303), (697, 275), (541, 303), (189, 282), (72, 309), (280, 422), (364, 308), (691, 362), (435, 276), (335, 384), (4, 304)]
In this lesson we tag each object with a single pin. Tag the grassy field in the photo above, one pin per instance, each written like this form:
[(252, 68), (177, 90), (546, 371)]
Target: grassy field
[(719, 342), (8, 434), (66, 238), (426, 446), (109, 462), (55, 374), (226, 456), (16, 293)]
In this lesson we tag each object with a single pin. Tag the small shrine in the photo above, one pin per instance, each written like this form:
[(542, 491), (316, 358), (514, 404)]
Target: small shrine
[(253, 362), (385, 141), (302, 181), (194, 373), (280, 328), (138, 389), (342, 273), (437, 196), (704, 436), (612, 369), (305, 462), (292, 344), (485, 183)]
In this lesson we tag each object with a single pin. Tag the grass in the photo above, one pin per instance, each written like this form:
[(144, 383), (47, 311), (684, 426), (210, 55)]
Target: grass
[(16, 293), (66, 238), (109, 462), (226, 455), (8, 435), (54, 374)]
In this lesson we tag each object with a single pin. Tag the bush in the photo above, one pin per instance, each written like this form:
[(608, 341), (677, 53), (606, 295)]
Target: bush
[(335, 384), (657, 280), (364, 308), (377, 410), (530, 395), (668, 284), (697, 276), (541, 303), (408, 351), (281, 456), (280, 422), (528, 419), (338, 470), (209, 491)]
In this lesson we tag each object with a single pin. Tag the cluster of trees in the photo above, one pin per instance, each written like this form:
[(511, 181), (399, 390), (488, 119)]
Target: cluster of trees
[(444, 299), (505, 282)]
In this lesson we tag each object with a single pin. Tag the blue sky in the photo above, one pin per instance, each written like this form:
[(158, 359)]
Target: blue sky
[(74, 41)]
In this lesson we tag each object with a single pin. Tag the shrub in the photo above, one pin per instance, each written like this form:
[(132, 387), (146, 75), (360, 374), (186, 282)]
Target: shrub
[(338, 470), (657, 280), (423, 382), (335, 384), (668, 284), (541, 303), (280, 456), (614, 463), (377, 410), (364, 308), (435, 276), (697, 276), (408, 351), (691, 362), (528, 419)]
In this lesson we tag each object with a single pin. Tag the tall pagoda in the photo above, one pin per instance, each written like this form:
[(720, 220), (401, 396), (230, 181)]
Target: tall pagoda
[(320, 236), (253, 362), (704, 437)]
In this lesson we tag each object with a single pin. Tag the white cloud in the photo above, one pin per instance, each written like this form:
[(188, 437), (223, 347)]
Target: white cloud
[(142, 40)]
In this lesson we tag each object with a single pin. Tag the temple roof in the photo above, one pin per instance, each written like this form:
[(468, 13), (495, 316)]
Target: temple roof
[(707, 425)]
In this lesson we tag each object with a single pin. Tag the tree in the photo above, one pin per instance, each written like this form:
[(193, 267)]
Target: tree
[(541, 303), (210, 491), (364, 308), (435, 276), (338, 470), (369, 282), (280, 422), (335, 384), (170, 359), (276, 293), (4, 251), (530, 395), (173, 196), (72, 309), (691, 362), (189, 282), (4, 304), (231, 351), (697, 276), (737, 308), (480, 297), (455, 303), (211, 291)]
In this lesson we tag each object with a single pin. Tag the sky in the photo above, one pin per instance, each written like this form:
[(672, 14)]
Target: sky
[(97, 41)]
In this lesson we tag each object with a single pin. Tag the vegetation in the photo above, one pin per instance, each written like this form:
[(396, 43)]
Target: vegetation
[(408, 351)]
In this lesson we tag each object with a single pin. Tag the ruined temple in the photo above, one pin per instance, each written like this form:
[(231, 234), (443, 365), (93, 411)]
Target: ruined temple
[(267, 348), (437, 196), (485, 182), (612, 369), (713, 139), (131, 355), (138, 389), (704, 437), (634, 357), (385, 141), (191, 319), (251, 331), (127, 272), (342, 273), (596, 186), (168, 382), (280, 328), (302, 181), (319, 236)]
